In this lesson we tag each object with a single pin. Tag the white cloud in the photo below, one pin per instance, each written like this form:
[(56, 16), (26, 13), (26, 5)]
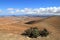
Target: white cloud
[(1, 11), (26, 10), (42, 10), (11, 12), (22, 10), (10, 9), (47, 10), (17, 10)]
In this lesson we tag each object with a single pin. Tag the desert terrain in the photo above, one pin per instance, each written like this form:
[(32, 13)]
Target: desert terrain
[(11, 27)]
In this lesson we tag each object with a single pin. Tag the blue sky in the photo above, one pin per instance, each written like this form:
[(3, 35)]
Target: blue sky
[(21, 4), (29, 3)]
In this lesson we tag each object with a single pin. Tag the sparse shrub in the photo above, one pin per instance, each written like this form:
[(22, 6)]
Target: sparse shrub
[(35, 32), (32, 32), (28, 31), (44, 33)]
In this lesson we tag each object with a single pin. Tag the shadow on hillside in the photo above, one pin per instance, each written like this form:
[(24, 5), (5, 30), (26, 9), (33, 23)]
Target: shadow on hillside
[(36, 21), (30, 22)]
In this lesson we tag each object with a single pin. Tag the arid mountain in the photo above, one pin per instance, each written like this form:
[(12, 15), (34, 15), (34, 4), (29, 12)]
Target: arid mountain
[(55, 21), (16, 26)]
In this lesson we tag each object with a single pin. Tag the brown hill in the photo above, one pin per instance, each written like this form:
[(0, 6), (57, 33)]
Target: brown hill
[(17, 25), (52, 24), (54, 21)]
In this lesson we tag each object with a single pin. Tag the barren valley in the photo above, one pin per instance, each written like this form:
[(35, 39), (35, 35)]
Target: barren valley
[(12, 27)]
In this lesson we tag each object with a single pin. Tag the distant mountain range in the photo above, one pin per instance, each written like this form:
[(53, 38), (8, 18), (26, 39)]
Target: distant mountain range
[(31, 15)]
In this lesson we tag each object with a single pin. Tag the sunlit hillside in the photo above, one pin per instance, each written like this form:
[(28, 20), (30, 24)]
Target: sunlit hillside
[(14, 26)]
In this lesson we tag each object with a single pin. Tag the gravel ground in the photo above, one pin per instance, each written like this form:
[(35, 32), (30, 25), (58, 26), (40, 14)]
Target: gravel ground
[(11, 36)]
